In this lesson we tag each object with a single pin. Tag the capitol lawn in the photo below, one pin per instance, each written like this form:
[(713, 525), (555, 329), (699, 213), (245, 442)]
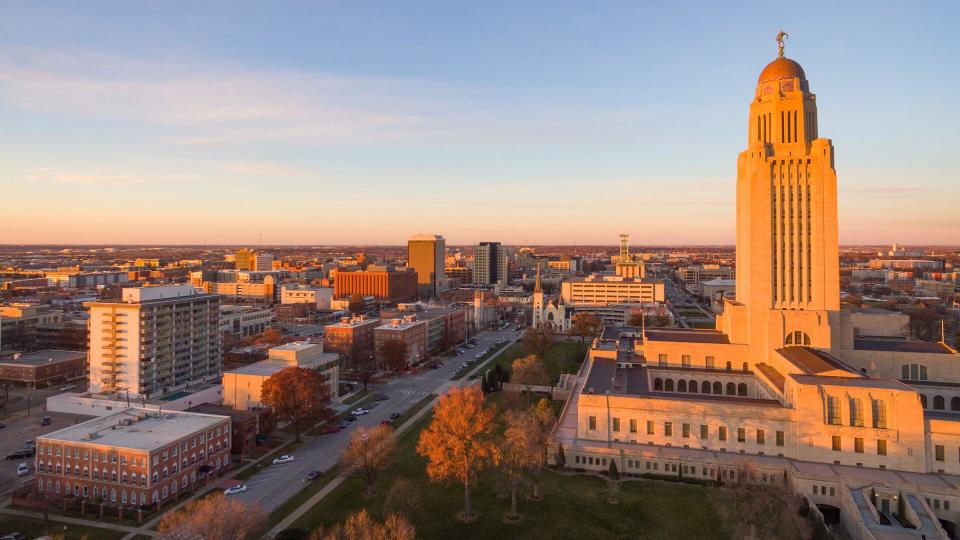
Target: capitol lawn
[(573, 506)]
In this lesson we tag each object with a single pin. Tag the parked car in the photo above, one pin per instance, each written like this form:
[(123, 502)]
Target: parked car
[(20, 454), (14, 536), (381, 397), (350, 418), (360, 411), (394, 416), (283, 459), (313, 475), (23, 469), (45, 421), (332, 428), (67, 387), (236, 490), (2, 425)]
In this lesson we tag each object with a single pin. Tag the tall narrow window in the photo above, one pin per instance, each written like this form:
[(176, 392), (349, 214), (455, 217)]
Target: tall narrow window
[(833, 410), (856, 412), (879, 414)]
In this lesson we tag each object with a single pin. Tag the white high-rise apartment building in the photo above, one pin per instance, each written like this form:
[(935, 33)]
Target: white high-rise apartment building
[(489, 264), (263, 262), (154, 340)]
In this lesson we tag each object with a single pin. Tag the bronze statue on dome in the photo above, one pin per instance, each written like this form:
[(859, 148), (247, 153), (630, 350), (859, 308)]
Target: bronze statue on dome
[(780, 38)]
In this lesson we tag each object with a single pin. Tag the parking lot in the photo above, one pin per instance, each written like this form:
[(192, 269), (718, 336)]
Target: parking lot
[(20, 429)]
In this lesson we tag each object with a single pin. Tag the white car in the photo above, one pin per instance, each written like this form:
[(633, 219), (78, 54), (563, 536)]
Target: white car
[(23, 469), (283, 459), (359, 412), (236, 490), (67, 387)]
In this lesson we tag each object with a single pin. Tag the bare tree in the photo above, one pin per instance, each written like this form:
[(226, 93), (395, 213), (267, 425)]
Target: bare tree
[(361, 526), (538, 340), (753, 510), (369, 452)]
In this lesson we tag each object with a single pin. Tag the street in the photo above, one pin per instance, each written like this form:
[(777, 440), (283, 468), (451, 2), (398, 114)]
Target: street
[(277, 483)]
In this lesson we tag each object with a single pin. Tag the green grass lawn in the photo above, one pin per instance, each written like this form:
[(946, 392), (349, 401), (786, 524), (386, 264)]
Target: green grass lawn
[(34, 528), (561, 357), (573, 506)]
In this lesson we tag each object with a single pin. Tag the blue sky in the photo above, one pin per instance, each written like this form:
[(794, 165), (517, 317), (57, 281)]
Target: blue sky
[(523, 122)]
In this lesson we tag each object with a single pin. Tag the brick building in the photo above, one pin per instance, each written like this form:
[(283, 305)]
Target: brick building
[(352, 337), (133, 457), (387, 284), (43, 368), (408, 330)]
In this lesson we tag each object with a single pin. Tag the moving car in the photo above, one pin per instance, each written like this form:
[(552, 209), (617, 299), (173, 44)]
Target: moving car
[(313, 475), (360, 411), (236, 490), (23, 469), (283, 459), (394, 416)]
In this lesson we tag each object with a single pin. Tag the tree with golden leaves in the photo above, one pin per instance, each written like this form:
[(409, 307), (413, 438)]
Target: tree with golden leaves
[(459, 443), (361, 526), (521, 452), (215, 518), (296, 395), (369, 452), (545, 419), (529, 371)]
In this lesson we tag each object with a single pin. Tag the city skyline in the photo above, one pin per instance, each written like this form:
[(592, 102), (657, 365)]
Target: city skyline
[(333, 121)]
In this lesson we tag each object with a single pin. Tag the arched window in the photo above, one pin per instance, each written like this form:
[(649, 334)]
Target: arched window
[(746, 367), (668, 385), (923, 401), (797, 338), (938, 403), (880, 414), (705, 387), (955, 404), (856, 412), (731, 389), (718, 388), (681, 385), (658, 384), (693, 387), (729, 366), (742, 389)]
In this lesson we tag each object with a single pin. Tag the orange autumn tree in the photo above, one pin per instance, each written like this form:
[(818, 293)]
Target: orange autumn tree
[(296, 395), (459, 443), (215, 518)]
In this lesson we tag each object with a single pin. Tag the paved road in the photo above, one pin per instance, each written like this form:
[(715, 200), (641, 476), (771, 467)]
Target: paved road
[(277, 483)]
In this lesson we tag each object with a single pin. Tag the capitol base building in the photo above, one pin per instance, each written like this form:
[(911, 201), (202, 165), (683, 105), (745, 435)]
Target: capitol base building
[(790, 388)]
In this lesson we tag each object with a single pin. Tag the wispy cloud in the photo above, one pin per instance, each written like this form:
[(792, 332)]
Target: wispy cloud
[(46, 176), (210, 103), (275, 170)]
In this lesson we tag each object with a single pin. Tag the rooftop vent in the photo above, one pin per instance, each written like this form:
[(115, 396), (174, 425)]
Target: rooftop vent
[(89, 436)]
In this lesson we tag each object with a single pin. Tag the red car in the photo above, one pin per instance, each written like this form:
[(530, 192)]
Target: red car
[(330, 428)]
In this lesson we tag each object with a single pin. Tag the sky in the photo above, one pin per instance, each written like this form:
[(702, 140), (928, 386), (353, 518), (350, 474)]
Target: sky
[(362, 122)]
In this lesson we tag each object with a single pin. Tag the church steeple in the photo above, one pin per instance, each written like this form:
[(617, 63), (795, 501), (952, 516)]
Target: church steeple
[(536, 287)]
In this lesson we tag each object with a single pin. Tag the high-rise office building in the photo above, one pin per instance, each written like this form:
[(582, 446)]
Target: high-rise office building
[(244, 259), (426, 255), (489, 264), (154, 340), (263, 262)]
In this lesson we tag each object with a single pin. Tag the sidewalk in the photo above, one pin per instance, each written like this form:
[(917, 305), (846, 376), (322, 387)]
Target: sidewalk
[(78, 521)]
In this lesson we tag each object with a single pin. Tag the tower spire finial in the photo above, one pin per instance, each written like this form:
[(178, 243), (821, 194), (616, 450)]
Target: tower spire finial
[(536, 287), (780, 37)]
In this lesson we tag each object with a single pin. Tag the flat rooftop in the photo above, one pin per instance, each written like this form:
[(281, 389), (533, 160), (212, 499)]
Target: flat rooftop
[(39, 358), (687, 335), (153, 431), (899, 344)]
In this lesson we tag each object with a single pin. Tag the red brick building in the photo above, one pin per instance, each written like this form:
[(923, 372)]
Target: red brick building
[(386, 284), (352, 337), (43, 368), (408, 330), (135, 457)]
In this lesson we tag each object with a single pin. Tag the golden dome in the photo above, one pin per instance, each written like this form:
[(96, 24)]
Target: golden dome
[(781, 68)]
